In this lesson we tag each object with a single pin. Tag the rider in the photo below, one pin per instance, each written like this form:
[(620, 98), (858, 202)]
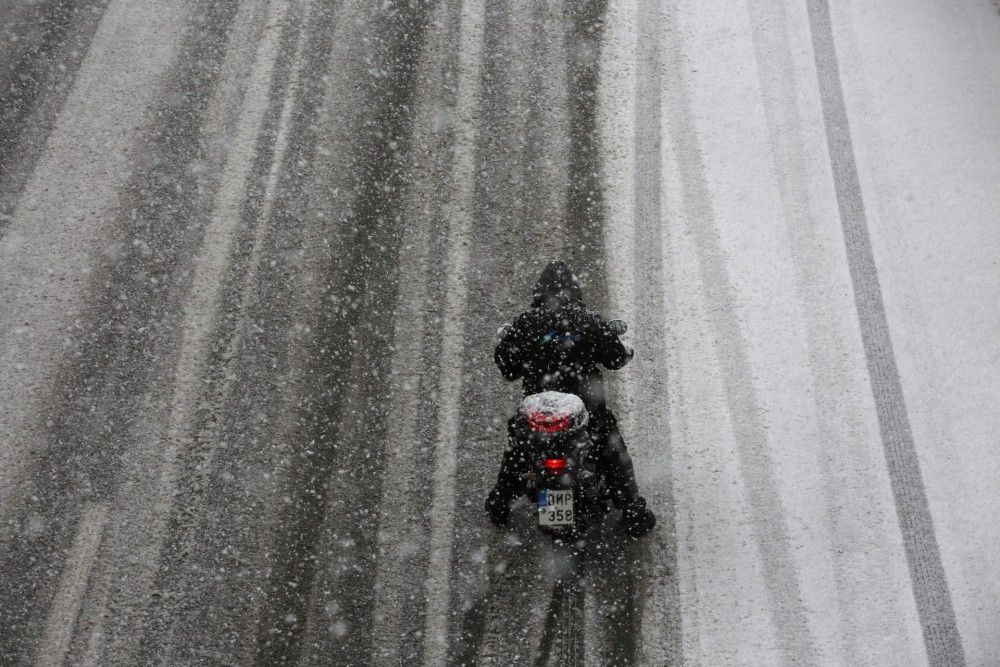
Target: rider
[(558, 345)]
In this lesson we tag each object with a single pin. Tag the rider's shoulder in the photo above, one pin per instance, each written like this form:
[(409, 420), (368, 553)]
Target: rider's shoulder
[(527, 318)]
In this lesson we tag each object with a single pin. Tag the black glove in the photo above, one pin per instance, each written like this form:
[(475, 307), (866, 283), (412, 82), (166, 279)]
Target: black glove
[(498, 508), (636, 519)]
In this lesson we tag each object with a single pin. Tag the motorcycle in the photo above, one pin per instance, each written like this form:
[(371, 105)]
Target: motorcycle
[(562, 480)]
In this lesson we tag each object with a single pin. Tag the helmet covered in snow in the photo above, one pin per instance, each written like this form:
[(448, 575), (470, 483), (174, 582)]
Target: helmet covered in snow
[(553, 412)]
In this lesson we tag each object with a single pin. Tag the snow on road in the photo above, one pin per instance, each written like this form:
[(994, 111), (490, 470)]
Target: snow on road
[(927, 128), (252, 255), (47, 248)]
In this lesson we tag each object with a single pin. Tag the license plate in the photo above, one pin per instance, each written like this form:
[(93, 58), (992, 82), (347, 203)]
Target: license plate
[(555, 507)]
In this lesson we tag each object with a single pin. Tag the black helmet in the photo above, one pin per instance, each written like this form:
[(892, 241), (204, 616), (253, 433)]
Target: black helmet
[(556, 286)]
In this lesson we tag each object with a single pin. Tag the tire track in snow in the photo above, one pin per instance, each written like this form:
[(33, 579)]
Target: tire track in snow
[(563, 641), (179, 626), (319, 602), (437, 616), (930, 585), (585, 200), (278, 166), (613, 611), (865, 598), (402, 532), (521, 184), (544, 135), (781, 578), (201, 306), (637, 240), (263, 408)]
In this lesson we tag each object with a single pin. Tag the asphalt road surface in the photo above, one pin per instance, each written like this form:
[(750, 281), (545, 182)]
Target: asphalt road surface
[(253, 255)]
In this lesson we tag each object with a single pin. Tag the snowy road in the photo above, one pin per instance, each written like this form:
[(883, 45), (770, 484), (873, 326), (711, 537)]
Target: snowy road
[(252, 256)]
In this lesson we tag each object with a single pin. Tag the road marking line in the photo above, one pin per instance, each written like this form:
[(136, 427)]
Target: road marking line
[(72, 585), (930, 585), (438, 586)]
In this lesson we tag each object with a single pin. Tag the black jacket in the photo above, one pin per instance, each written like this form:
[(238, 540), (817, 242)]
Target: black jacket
[(558, 344)]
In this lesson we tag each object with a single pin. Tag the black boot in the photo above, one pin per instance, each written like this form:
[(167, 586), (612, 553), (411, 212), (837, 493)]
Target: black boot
[(636, 519), (498, 507)]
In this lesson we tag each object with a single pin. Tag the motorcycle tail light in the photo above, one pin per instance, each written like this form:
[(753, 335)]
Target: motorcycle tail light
[(542, 422), (554, 466)]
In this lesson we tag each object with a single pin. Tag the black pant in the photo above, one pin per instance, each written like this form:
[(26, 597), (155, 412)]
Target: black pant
[(613, 460)]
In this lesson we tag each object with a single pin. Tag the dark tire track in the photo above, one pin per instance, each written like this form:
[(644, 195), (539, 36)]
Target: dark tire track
[(614, 568), (930, 584), (587, 220), (404, 514), (348, 367), (512, 248), (585, 214), (562, 641), (653, 561), (508, 563), (497, 157)]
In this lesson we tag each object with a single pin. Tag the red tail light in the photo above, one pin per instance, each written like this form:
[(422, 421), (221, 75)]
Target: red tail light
[(554, 466), (547, 423)]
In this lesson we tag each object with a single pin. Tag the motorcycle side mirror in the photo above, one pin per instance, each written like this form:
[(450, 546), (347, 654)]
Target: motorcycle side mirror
[(502, 331), (618, 327)]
